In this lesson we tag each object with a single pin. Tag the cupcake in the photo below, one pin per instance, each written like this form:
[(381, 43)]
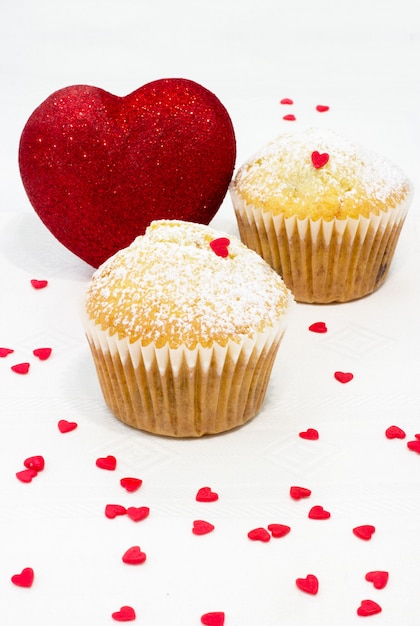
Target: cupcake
[(325, 213), (184, 326)]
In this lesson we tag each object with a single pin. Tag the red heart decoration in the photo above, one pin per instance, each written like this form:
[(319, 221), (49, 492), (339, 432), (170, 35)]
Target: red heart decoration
[(289, 118), (216, 618), (25, 476), (42, 353), (107, 463), (98, 168), (220, 246), (318, 512), (125, 614), (39, 284), (113, 510), (343, 377), (319, 160), (299, 492), (367, 608), (20, 368), (286, 101), (364, 532), (201, 527), (311, 434), (278, 530), (25, 578), (395, 432), (308, 585), (137, 514), (321, 108), (259, 534), (65, 427), (134, 556), (36, 463), (414, 445), (205, 494), (378, 578), (318, 327), (131, 484), (5, 352)]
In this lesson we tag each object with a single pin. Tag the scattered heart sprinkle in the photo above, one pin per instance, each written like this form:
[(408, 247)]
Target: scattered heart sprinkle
[(205, 494), (367, 608), (125, 614), (36, 463), (297, 493), (134, 556), (26, 476), (318, 512), (278, 530), (216, 618), (311, 434), (5, 352), (201, 527), (25, 578), (65, 426), (309, 584), (220, 246), (343, 377), (113, 510), (364, 532), (259, 534), (39, 284), (42, 353), (107, 463), (286, 101), (20, 368), (414, 445), (319, 159), (131, 484), (289, 118), (321, 108), (137, 514), (395, 432), (378, 578), (318, 327)]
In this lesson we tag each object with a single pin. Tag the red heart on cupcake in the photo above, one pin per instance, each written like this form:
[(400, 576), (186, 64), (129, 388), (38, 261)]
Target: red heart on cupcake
[(98, 168), (319, 159)]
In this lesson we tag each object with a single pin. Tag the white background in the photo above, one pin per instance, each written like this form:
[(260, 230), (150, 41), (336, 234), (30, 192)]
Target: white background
[(362, 59)]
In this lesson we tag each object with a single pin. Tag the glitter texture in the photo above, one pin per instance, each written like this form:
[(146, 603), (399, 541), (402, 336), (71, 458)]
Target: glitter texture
[(98, 168)]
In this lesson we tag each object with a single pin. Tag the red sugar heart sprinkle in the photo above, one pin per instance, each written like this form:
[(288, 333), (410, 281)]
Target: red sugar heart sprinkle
[(310, 433), (367, 608), (25, 578), (322, 108), (25, 476), (21, 368), (318, 512), (414, 445), (378, 578), (65, 427), (201, 527), (299, 492), (5, 352), (319, 159), (137, 514), (364, 532), (286, 101), (113, 510), (42, 353), (131, 484), (308, 585), (395, 432), (107, 463), (36, 463), (216, 618), (125, 614), (220, 246), (205, 494), (278, 530), (39, 284), (343, 377), (134, 556), (259, 534), (318, 327), (289, 118)]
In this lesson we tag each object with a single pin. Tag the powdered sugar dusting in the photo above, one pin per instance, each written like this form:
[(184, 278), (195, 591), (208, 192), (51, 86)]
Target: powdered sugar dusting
[(282, 178), (170, 287)]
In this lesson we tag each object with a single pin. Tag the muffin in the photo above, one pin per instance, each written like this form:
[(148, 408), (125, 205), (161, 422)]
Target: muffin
[(325, 213), (184, 326)]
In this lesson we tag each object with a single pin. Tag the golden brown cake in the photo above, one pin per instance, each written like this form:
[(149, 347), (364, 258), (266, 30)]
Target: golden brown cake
[(324, 212), (184, 326)]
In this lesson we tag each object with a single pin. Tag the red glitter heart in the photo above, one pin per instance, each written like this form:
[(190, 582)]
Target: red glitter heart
[(318, 327), (319, 160), (42, 353), (321, 108), (21, 368), (98, 168), (220, 246), (39, 284), (311, 434), (318, 512), (5, 352), (216, 618), (343, 377), (378, 578), (364, 532), (131, 484), (297, 493), (278, 530), (107, 463), (114, 510), (367, 608), (205, 494), (201, 527), (36, 463), (125, 614), (289, 118), (134, 556), (137, 514), (414, 446), (25, 476), (395, 432), (308, 585), (25, 578), (259, 534), (286, 101), (65, 426)]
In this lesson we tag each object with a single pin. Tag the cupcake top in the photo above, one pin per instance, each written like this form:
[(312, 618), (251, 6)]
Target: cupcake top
[(319, 173), (183, 283)]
